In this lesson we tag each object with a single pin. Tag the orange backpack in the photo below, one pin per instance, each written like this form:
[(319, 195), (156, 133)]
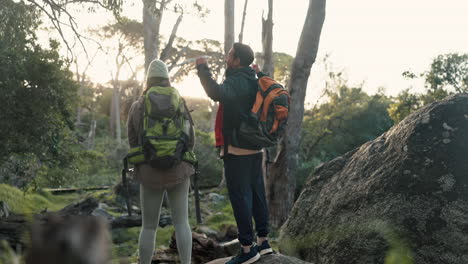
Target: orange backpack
[(267, 121)]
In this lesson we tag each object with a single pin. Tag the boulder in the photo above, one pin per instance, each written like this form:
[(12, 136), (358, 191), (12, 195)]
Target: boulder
[(216, 198), (401, 198), (102, 213), (209, 232), (228, 232)]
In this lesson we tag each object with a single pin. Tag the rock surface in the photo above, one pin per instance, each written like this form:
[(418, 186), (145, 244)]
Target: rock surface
[(401, 198)]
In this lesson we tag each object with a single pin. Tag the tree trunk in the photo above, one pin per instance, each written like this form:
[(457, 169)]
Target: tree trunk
[(267, 41), (241, 34), (152, 17), (112, 115), (282, 180), (228, 43), (78, 108), (228, 25), (91, 134), (118, 130)]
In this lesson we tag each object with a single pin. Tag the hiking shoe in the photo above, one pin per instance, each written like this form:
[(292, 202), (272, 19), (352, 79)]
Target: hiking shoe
[(245, 258), (264, 248)]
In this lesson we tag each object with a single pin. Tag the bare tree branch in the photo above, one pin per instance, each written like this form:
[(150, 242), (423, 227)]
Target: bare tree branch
[(165, 52), (241, 34), (54, 9)]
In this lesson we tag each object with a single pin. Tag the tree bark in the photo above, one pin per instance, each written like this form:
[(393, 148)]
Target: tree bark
[(115, 116), (228, 25), (282, 180), (241, 34), (91, 134), (267, 41), (152, 17), (118, 130), (165, 53)]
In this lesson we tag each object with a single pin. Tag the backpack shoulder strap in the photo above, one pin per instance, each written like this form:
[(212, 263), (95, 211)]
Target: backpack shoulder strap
[(142, 112)]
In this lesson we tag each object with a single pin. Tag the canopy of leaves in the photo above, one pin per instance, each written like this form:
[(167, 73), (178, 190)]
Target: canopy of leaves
[(448, 74), (348, 118), (38, 92), (282, 63)]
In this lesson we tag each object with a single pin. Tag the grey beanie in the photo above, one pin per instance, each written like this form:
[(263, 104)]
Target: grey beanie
[(157, 68)]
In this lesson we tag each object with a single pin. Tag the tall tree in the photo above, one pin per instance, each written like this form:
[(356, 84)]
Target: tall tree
[(229, 9), (267, 41), (244, 14), (153, 11), (152, 17), (38, 98), (81, 79), (281, 180), (126, 37)]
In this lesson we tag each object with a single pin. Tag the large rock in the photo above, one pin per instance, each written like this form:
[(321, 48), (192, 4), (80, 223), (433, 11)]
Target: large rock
[(401, 198)]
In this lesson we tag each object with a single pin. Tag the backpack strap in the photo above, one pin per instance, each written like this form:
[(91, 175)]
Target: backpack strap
[(142, 110), (268, 100), (258, 102)]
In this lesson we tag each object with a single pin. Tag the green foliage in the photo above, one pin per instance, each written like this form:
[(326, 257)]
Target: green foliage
[(125, 241), (163, 237), (223, 218), (210, 166), (448, 74), (28, 202), (8, 255), (399, 251), (404, 104), (130, 31), (349, 118), (283, 63), (202, 111), (303, 171), (22, 202), (37, 97)]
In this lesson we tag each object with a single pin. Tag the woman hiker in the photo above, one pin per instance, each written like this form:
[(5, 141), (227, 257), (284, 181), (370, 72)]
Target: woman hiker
[(154, 182)]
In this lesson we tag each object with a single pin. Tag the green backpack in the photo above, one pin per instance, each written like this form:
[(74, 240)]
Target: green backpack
[(166, 130)]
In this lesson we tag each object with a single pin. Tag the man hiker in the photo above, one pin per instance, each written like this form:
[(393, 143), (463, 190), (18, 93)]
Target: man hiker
[(242, 161)]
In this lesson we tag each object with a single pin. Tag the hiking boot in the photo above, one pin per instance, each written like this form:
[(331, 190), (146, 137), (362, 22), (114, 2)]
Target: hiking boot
[(245, 258), (264, 248)]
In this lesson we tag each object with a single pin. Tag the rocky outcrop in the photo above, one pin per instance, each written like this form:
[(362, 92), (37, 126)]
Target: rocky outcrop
[(401, 198)]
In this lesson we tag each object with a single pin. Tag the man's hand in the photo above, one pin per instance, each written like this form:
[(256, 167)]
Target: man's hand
[(200, 60), (256, 68)]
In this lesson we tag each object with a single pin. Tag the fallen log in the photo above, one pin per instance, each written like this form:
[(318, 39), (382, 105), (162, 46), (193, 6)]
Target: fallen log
[(58, 191), (13, 227)]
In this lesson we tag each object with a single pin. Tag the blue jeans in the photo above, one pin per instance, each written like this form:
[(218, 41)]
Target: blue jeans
[(244, 179)]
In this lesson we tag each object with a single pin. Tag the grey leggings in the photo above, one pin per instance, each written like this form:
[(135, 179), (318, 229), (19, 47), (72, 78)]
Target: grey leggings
[(151, 201)]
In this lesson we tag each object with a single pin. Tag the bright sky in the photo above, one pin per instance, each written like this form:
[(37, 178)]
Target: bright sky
[(374, 41)]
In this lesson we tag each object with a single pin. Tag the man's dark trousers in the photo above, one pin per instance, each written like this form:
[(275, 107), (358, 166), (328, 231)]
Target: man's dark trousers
[(244, 179)]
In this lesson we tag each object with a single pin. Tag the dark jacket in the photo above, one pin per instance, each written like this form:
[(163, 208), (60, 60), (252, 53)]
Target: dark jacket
[(237, 93)]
